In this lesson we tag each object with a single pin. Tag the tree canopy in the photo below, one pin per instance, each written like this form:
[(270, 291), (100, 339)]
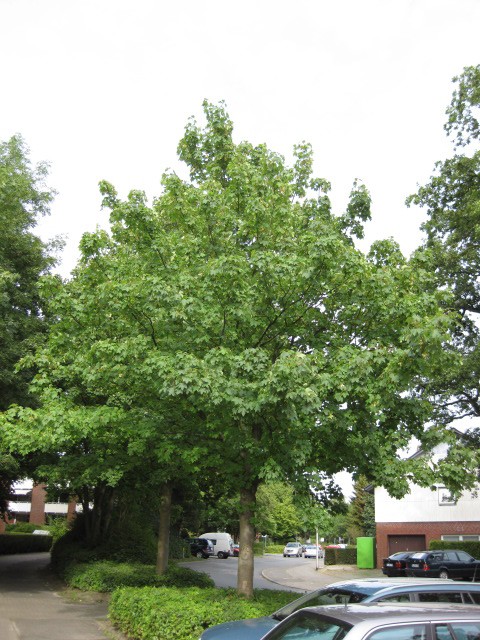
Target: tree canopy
[(233, 326)]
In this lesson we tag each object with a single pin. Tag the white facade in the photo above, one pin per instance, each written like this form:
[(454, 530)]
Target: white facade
[(425, 505)]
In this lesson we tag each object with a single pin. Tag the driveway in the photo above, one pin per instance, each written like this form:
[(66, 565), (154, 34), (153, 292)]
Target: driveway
[(31, 607)]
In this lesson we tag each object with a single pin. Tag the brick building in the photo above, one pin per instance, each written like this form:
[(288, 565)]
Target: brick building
[(29, 503)]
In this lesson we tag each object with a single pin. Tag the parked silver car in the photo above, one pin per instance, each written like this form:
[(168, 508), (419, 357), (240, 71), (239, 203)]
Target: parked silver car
[(311, 551), (392, 590), (293, 549), (381, 622)]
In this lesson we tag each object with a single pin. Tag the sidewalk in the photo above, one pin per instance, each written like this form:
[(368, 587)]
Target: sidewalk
[(307, 578)]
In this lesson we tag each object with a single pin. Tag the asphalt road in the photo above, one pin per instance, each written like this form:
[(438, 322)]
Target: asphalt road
[(224, 572)]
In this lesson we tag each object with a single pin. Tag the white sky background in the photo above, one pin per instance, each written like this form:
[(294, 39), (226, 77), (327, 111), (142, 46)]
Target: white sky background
[(102, 89)]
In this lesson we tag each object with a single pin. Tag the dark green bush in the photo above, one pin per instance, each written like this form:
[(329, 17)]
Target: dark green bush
[(179, 548), (23, 543), (105, 575), (183, 614), (472, 547), (23, 527), (341, 556), (69, 550)]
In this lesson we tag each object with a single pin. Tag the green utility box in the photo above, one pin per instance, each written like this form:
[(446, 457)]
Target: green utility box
[(366, 553)]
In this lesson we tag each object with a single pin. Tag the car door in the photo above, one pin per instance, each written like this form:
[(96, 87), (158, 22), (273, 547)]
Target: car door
[(468, 568), (453, 564)]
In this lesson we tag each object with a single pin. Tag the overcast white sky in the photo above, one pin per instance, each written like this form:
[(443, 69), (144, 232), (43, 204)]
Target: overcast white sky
[(102, 89)]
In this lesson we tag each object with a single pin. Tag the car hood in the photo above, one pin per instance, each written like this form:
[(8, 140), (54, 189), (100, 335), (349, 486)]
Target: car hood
[(252, 629)]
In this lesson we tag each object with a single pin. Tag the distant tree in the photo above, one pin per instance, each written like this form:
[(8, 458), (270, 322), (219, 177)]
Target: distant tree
[(360, 510), (276, 514), (24, 258)]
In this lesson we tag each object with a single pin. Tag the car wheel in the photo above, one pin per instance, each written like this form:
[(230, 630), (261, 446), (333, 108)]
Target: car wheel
[(220, 554), (199, 554), (443, 574)]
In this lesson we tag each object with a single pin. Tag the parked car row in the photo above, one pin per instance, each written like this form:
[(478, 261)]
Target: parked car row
[(390, 591), (451, 563), (297, 550)]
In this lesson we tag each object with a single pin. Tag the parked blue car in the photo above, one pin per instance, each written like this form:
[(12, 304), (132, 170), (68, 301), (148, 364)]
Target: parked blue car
[(352, 591)]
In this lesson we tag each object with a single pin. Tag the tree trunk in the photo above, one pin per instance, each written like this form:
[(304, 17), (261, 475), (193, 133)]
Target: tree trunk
[(247, 538), (164, 528)]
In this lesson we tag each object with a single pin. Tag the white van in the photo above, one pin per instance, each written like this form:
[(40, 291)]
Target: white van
[(222, 543)]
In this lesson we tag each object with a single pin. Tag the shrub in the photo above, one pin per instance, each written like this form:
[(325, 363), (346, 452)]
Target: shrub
[(58, 527), (183, 614), (472, 547), (23, 543), (105, 575), (341, 556), (274, 548), (179, 548), (23, 527), (69, 550)]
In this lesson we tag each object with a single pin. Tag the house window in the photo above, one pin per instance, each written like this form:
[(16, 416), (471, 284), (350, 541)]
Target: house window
[(461, 538), (445, 498)]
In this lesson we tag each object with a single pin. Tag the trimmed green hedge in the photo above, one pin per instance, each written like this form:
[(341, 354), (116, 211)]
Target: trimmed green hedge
[(471, 547), (183, 614), (341, 556), (106, 575), (274, 548), (23, 543)]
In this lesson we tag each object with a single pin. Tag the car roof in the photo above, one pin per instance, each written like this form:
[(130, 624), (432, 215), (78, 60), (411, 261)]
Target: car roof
[(384, 583), (381, 587), (382, 612)]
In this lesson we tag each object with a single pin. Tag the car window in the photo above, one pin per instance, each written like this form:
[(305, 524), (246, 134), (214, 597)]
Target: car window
[(400, 632), (318, 599), (441, 596), (442, 632), (475, 596), (459, 631), (463, 556), (397, 597), (451, 556), (435, 557), (312, 628)]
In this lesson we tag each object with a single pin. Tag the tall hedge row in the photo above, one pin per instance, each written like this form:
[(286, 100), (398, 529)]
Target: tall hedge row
[(23, 543), (471, 547)]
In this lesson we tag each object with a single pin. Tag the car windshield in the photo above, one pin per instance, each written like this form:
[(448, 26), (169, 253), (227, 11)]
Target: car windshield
[(293, 544), (311, 627), (320, 598)]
